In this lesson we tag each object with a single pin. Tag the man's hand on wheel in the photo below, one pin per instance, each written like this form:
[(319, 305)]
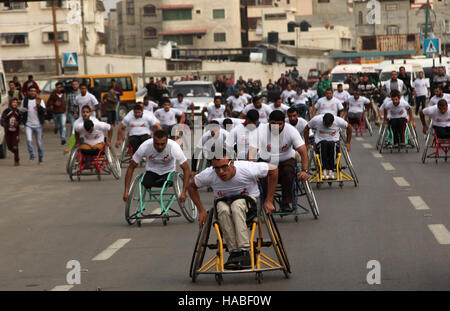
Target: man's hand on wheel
[(202, 218), (268, 207), (183, 197), (425, 129), (349, 148), (303, 176)]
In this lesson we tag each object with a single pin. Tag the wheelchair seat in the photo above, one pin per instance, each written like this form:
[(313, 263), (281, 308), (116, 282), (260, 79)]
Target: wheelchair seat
[(251, 206), (90, 152), (159, 183)]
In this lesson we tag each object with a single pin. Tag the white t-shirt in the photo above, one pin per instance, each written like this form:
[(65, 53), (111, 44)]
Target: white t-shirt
[(309, 94), (300, 126), (160, 162), (439, 119), (207, 140), (183, 106), (168, 117), (285, 95), (87, 99), (32, 116), (236, 121), (215, 113), (434, 100), (241, 136), (244, 182), (288, 138), (237, 104), (327, 133), (397, 112), (386, 100), (97, 136), (342, 96), (81, 121), (264, 112), (151, 106), (421, 86), (246, 97), (357, 105), (284, 108), (332, 106), (300, 99), (139, 126)]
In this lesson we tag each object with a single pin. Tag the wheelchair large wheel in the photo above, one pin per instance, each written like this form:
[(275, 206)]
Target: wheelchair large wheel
[(311, 199), (350, 165), (72, 154), (425, 150), (380, 135), (73, 164), (200, 247), (113, 163), (275, 236), (413, 136), (383, 139), (369, 126), (187, 208), (133, 204), (123, 152)]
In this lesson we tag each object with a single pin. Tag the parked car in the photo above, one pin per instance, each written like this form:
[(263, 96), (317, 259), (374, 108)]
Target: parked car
[(201, 93)]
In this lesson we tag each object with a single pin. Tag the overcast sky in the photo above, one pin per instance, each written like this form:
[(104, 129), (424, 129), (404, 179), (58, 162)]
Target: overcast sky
[(109, 4)]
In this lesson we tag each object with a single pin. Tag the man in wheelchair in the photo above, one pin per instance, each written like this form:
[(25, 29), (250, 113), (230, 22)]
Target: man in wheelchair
[(327, 136), (140, 125), (240, 135), (440, 115), (161, 154), (357, 104), (276, 143), (235, 187), (92, 133), (400, 113)]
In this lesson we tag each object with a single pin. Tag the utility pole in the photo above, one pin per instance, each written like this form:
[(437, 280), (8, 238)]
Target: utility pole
[(142, 45), (84, 37), (427, 18), (55, 38)]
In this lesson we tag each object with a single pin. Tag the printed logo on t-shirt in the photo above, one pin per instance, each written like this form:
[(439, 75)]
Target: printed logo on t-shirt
[(244, 192), (284, 148)]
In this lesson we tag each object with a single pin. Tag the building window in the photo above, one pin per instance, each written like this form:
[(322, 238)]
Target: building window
[(150, 33), (48, 37), (180, 39), (392, 30), (220, 37), (324, 1), (130, 7), (259, 2), (131, 42), (8, 6), (369, 43), (58, 4), (446, 26), (275, 16), (423, 27), (360, 18), (14, 39), (219, 13), (149, 10), (179, 14)]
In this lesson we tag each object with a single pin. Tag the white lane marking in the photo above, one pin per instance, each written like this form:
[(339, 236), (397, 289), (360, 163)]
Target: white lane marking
[(376, 154), (359, 138), (111, 250), (61, 288), (401, 182), (367, 146), (387, 166), (150, 220), (418, 203), (441, 233)]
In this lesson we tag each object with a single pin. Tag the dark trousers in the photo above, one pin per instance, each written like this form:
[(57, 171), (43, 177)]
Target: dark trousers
[(420, 103), (398, 129), (442, 132), (286, 175), (151, 179), (136, 141), (111, 116), (12, 142), (327, 151)]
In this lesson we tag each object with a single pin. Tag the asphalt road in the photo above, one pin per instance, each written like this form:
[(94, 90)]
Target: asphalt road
[(47, 221)]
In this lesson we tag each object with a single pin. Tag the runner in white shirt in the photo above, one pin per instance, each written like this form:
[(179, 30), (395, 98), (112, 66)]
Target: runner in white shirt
[(328, 104), (278, 105), (298, 122), (215, 111), (233, 122), (247, 97), (326, 139), (236, 104), (161, 154), (420, 90), (341, 94), (399, 110), (276, 143), (356, 104), (439, 94), (230, 180), (92, 133), (263, 110), (182, 104), (288, 95), (301, 102), (440, 115), (150, 105), (167, 117), (140, 125), (83, 99), (240, 136)]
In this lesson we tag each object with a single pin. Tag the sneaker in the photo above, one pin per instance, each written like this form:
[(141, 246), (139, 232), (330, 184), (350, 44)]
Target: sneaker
[(55, 130), (41, 160), (63, 142), (331, 175), (232, 262), (31, 157), (324, 174), (244, 260)]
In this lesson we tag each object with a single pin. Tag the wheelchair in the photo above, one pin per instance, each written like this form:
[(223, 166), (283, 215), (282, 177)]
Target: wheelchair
[(260, 261), (167, 193), (342, 175), (434, 146), (361, 126), (93, 162), (386, 139), (126, 153)]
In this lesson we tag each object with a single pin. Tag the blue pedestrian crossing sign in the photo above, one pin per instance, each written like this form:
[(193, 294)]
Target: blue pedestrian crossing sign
[(431, 46), (70, 60)]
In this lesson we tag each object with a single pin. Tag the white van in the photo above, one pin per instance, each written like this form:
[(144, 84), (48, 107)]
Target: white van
[(339, 74), (412, 69), (428, 63), (3, 106)]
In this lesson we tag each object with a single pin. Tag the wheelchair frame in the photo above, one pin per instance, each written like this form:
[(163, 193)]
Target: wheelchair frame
[(104, 162), (436, 144), (260, 262), (386, 139), (360, 126), (162, 196), (341, 175)]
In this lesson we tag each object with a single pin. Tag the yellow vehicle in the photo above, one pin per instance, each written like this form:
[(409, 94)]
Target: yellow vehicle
[(98, 85)]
